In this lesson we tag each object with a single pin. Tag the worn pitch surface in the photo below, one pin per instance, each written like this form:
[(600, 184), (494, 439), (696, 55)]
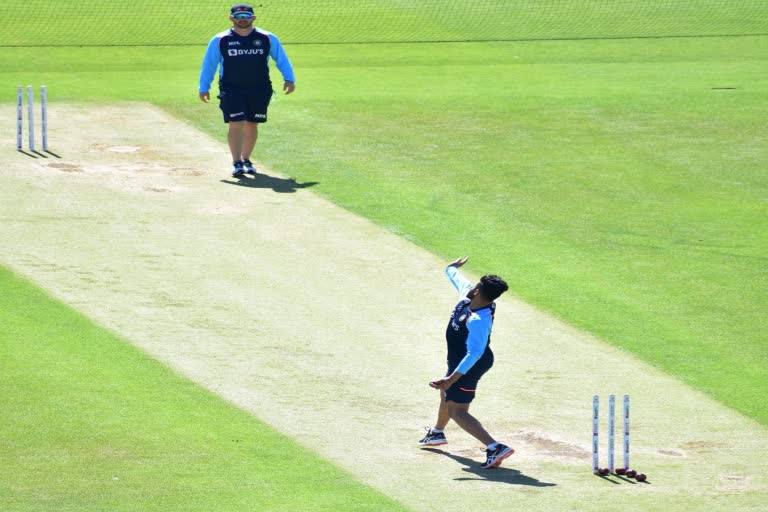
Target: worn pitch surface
[(329, 328)]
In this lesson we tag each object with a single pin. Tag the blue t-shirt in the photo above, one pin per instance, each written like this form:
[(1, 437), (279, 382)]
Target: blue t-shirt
[(243, 61), (469, 331)]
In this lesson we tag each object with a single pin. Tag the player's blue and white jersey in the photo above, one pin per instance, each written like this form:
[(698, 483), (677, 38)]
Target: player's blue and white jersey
[(243, 61), (469, 331)]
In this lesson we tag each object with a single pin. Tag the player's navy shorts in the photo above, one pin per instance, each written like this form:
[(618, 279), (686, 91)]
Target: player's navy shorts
[(245, 104), (463, 390)]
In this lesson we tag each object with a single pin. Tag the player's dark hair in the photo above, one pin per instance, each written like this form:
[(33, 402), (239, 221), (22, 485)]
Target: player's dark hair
[(492, 286)]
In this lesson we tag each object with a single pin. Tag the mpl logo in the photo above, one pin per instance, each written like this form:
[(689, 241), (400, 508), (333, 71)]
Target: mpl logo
[(234, 43)]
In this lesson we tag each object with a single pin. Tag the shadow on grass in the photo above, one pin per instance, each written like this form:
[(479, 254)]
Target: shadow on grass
[(618, 479), (282, 185), (499, 474), (34, 153)]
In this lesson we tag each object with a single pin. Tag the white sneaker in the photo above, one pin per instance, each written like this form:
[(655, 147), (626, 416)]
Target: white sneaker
[(249, 169)]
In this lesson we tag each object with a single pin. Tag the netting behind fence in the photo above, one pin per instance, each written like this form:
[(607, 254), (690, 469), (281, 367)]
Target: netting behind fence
[(160, 22)]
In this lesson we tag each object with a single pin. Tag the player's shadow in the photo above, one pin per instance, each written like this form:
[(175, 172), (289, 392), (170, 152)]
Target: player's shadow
[(499, 474), (282, 185)]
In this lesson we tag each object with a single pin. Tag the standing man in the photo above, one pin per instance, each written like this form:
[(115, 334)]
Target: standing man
[(469, 357), (241, 55)]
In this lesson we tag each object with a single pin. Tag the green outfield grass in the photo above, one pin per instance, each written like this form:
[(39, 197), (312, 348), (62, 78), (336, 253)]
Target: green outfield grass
[(90, 423), (153, 22)]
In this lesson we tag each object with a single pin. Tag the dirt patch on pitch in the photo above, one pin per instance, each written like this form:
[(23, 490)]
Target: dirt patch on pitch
[(306, 316)]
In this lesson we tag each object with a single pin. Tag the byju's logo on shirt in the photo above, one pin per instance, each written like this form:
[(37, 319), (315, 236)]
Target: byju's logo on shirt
[(236, 53)]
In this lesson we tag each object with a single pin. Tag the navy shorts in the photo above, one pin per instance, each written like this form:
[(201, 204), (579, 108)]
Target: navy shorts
[(463, 390), (245, 104)]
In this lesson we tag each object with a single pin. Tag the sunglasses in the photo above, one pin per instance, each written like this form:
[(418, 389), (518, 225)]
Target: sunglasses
[(243, 16)]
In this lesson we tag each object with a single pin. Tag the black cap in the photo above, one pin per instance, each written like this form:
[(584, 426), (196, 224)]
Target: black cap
[(240, 9)]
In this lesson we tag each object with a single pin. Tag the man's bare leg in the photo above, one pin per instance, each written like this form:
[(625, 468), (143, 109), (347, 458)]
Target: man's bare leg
[(235, 138), (250, 135), (443, 416), (460, 414)]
